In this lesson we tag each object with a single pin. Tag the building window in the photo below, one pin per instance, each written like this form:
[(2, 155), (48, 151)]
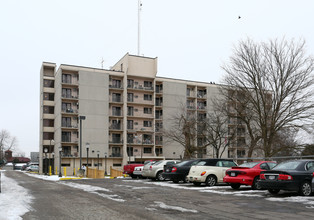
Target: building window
[(148, 110), (66, 78), (48, 123), (116, 97), (66, 122), (130, 97), (148, 97), (116, 83), (116, 138), (147, 150), (147, 123), (148, 84), (66, 93), (116, 152), (130, 83), (48, 109), (130, 124), (158, 151), (116, 111), (48, 136), (49, 96), (66, 151), (49, 83), (130, 111), (66, 136)]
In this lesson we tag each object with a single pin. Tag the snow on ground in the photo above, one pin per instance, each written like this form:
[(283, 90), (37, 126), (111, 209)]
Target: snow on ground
[(14, 200), (308, 201), (94, 190), (177, 208)]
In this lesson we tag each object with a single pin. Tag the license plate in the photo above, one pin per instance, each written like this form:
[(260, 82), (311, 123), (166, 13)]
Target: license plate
[(271, 177), (233, 174)]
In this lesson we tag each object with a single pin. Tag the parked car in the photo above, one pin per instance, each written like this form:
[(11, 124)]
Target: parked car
[(24, 167), (209, 171), (178, 172), (138, 172), (34, 168), (154, 171), (18, 166), (292, 175), (247, 174), (129, 168)]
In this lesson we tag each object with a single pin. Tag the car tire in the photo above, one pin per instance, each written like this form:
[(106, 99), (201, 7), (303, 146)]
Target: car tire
[(305, 189), (211, 180), (197, 184), (255, 185), (235, 185), (159, 176), (274, 191), (175, 181)]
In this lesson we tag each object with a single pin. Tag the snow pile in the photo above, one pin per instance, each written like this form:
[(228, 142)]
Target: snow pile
[(14, 199)]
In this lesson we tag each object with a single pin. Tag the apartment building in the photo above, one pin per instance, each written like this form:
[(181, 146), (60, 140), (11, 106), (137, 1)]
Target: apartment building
[(115, 116)]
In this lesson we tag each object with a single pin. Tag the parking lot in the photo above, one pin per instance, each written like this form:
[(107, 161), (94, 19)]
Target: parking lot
[(126, 198)]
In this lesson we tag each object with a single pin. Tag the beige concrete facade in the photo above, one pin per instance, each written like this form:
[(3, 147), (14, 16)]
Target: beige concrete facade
[(125, 108)]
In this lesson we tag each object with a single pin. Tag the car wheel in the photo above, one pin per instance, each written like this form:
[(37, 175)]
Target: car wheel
[(235, 185), (197, 184), (305, 189), (211, 180), (175, 181), (255, 184), (159, 176), (274, 191)]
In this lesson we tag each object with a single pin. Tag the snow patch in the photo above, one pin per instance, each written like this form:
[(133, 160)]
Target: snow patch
[(94, 190), (15, 200), (177, 208)]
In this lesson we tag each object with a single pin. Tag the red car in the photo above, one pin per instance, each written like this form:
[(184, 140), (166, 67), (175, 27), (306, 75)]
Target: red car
[(247, 174)]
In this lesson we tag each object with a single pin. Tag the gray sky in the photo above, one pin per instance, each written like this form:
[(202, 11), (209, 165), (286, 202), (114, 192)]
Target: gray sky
[(191, 38)]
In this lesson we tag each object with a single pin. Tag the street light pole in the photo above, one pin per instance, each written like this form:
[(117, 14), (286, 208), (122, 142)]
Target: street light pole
[(53, 159), (87, 149), (46, 150), (60, 149), (50, 150), (106, 164), (81, 118), (98, 159)]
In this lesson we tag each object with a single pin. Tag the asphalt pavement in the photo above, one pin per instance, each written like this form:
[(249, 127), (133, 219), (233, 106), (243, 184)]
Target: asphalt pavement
[(146, 199)]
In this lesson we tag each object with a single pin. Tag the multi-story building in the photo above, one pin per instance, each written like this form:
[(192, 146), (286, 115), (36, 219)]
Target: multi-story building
[(120, 112)]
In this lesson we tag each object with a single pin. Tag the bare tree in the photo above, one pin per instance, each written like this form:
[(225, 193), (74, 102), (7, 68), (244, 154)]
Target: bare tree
[(215, 128), (183, 130), (195, 132), (274, 80), (4, 140)]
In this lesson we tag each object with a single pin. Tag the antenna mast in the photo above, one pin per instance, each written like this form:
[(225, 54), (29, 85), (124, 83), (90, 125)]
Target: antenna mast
[(139, 27)]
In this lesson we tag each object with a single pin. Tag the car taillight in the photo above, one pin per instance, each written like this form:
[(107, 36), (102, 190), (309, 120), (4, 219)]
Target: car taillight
[(203, 173), (174, 169), (313, 174), (150, 167), (284, 177), (262, 176), (241, 173)]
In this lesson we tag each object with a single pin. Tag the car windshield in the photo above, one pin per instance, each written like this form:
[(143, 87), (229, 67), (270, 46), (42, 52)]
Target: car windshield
[(249, 164), (289, 165), (159, 162)]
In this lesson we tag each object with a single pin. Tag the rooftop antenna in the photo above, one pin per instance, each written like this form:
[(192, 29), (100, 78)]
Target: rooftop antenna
[(139, 27), (102, 62)]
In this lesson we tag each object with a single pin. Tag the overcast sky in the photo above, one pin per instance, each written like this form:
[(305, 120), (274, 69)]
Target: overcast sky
[(191, 38)]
